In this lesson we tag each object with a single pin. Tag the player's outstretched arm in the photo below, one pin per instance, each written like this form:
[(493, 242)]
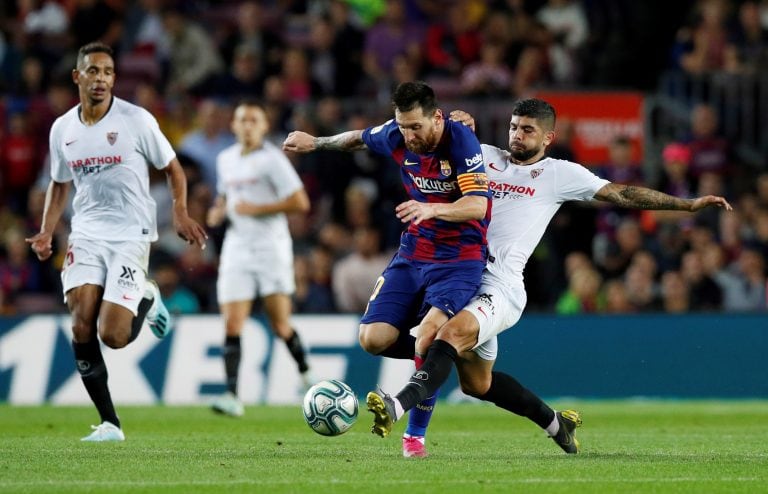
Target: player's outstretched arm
[(56, 198), (301, 142), (631, 196), (186, 228)]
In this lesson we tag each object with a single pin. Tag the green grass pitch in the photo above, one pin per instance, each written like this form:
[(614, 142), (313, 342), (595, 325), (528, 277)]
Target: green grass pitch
[(627, 446)]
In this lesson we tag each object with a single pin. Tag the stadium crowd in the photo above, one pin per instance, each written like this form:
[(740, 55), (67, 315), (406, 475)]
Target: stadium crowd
[(324, 66)]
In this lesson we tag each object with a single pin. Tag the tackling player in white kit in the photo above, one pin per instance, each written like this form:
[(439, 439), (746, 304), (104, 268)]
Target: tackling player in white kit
[(527, 188), (104, 146), (257, 185)]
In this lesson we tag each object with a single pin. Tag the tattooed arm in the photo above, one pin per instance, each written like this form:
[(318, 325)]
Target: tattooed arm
[(631, 196), (301, 142)]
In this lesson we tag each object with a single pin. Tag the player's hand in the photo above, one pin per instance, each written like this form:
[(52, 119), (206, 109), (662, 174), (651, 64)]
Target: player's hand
[(463, 117), (414, 211), (215, 216), (189, 230), (41, 245), (299, 142), (247, 208), (706, 201)]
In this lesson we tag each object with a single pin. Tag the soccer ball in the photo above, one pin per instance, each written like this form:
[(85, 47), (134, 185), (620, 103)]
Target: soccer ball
[(330, 407)]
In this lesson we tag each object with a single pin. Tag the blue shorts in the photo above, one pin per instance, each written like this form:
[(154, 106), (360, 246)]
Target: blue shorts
[(407, 289)]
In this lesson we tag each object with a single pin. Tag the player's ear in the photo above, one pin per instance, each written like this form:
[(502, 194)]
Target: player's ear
[(75, 76), (549, 137)]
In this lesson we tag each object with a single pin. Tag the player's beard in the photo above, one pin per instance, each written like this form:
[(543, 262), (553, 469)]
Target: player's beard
[(422, 146), (522, 154)]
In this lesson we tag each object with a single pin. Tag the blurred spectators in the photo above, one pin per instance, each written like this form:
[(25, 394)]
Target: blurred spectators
[(210, 136), (177, 298), (489, 76), (702, 44), (144, 31), (452, 44), (749, 40), (583, 294), (675, 294), (194, 59), (253, 30), (313, 282), (20, 272), (244, 79), (705, 294), (355, 274), (710, 151), (331, 64), (641, 289), (616, 298), (392, 35), (94, 20), (19, 163), (347, 49), (568, 29)]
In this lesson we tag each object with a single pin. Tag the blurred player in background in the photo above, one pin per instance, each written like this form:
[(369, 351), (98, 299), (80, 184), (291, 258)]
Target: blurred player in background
[(257, 186), (527, 188), (443, 251), (105, 146)]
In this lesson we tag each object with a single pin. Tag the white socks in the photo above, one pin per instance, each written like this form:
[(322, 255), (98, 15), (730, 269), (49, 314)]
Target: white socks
[(552, 429)]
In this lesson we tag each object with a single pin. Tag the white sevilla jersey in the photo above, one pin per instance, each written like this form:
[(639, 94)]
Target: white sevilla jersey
[(108, 162), (263, 176), (525, 198)]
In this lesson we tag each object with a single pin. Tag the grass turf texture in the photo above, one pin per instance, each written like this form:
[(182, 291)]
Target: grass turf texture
[(627, 446)]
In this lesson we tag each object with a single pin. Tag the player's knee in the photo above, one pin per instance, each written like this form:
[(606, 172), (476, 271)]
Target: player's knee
[(82, 331), (373, 341), (115, 339), (473, 388), (460, 338)]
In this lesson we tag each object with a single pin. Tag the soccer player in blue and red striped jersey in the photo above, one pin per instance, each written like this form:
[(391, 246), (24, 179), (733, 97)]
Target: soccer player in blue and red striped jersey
[(442, 253)]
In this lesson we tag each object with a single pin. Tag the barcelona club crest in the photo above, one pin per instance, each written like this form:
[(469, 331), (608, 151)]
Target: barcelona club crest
[(445, 168), (111, 138)]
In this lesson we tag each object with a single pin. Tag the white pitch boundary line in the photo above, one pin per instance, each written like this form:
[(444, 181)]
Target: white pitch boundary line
[(672, 480)]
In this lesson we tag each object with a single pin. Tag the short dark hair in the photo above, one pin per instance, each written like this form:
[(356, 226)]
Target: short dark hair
[(95, 47), (409, 95), (539, 109), (250, 101)]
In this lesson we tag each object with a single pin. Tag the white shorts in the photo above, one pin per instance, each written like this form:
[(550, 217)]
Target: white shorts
[(119, 267), (247, 274), (496, 309)]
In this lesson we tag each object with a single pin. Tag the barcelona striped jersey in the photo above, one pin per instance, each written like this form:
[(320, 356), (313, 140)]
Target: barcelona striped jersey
[(453, 170)]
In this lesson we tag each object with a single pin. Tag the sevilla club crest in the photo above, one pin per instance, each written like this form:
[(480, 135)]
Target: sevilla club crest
[(111, 138), (535, 173)]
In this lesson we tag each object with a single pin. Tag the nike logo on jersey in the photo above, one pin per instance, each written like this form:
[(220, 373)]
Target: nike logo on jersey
[(126, 297), (70, 142), (493, 165), (410, 163)]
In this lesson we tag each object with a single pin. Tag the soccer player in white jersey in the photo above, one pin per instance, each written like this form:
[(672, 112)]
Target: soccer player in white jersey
[(528, 188), (104, 146), (257, 186)]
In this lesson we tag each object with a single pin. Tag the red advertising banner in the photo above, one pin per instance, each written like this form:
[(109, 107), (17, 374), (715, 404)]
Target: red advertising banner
[(596, 118)]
